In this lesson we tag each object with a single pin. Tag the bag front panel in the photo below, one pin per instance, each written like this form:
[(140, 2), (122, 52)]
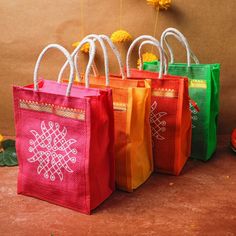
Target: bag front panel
[(52, 146), (163, 119)]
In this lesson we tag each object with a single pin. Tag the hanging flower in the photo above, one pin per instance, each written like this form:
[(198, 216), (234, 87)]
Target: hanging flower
[(120, 36), (147, 57), (161, 4), (164, 4), (154, 3), (84, 48)]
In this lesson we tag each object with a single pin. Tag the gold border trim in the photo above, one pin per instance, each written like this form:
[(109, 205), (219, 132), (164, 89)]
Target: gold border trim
[(170, 93), (118, 106), (194, 83), (53, 109)]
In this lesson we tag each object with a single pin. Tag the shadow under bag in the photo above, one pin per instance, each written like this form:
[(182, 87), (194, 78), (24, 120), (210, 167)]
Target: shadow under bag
[(64, 141)]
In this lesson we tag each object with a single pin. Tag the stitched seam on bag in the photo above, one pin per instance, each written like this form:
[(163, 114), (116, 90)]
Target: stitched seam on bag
[(194, 83), (171, 93), (66, 112)]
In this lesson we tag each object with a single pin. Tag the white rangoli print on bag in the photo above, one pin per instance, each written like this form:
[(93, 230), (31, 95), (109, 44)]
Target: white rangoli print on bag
[(158, 125), (194, 113), (52, 150)]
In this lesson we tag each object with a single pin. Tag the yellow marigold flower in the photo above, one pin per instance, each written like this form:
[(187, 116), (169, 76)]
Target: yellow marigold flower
[(84, 48), (154, 3), (147, 57), (1, 138), (120, 36), (162, 4)]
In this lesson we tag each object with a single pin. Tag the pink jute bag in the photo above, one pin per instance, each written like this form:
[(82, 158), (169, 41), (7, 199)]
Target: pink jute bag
[(65, 140)]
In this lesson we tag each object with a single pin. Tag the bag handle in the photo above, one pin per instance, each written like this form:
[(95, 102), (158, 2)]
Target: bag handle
[(76, 51), (179, 36), (193, 56), (115, 51), (92, 51), (143, 37), (159, 48), (69, 60)]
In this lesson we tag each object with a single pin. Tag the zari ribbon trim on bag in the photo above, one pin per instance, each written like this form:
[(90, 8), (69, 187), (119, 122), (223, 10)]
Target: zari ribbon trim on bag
[(171, 93), (53, 109), (194, 83), (119, 106)]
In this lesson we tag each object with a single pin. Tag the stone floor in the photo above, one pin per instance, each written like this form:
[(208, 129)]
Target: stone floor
[(202, 201)]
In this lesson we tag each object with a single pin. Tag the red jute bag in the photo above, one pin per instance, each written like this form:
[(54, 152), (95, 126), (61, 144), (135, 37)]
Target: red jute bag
[(170, 116), (131, 102), (64, 141)]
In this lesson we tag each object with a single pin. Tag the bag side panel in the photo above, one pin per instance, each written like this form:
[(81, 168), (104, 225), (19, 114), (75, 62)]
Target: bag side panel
[(215, 91), (101, 167), (185, 125), (140, 134)]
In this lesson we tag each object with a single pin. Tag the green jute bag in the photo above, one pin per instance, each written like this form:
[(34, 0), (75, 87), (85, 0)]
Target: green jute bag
[(204, 86)]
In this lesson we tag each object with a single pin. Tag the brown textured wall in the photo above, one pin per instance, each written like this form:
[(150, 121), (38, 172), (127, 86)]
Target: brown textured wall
[(26, 26)]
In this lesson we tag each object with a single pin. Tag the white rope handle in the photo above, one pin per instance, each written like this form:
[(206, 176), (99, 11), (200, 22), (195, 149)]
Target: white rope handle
[(161, 51), (92, 51), (106, 63), (116, 53), (142, 37), (69, 60), (105, 55), (193, 56), (183, 39)]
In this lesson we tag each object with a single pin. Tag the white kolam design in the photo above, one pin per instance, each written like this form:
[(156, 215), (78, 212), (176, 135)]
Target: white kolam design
[(158, 125), (194, 113), (52, 151)]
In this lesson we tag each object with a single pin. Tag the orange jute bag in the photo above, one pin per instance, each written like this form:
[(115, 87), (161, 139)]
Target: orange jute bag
[(131, 103)]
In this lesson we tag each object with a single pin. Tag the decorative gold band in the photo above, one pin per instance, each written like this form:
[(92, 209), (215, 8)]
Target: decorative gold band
[(54, 109), (170, 93), (194, 83), (117, 106)]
